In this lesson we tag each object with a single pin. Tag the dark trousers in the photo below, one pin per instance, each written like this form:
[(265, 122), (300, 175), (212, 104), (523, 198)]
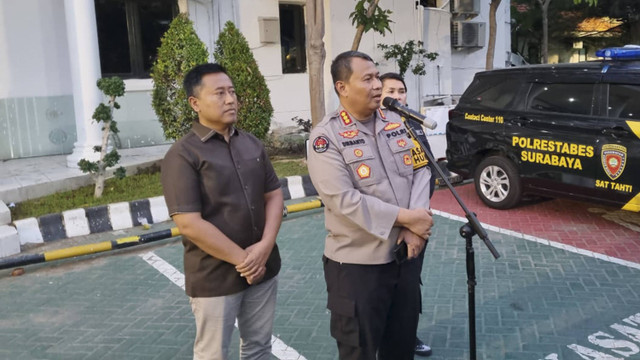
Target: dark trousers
[(374, 308)]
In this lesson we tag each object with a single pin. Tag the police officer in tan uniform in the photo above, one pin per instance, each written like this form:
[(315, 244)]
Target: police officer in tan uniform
[(361, 165)]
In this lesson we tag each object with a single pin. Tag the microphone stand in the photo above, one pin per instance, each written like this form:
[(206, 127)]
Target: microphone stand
[(467, 231)]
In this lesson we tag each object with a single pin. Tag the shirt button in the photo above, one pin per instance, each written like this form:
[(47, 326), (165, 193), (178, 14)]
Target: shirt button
[(381, 233), (246, 187)]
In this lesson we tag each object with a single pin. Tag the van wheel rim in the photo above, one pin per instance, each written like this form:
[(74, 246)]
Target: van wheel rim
[(494, 183)]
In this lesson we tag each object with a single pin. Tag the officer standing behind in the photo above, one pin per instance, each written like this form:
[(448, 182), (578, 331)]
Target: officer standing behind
[(225, 197), (393, 86), (362, 168)]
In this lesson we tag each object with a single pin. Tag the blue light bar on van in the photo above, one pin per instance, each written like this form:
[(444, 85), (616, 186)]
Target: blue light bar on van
[(625, 52)]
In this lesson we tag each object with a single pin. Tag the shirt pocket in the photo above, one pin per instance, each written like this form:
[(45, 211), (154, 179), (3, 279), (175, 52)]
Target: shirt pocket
[(362, 162), (401, 149)]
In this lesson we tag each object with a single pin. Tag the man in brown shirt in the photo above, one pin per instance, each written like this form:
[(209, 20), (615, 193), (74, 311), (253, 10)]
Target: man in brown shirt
[(225, 198)]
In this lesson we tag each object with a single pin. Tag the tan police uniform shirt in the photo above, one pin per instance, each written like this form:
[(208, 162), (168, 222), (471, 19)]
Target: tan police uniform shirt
[(363, 178)]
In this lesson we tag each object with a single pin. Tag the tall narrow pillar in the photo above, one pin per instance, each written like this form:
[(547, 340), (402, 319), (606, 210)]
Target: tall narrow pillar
[(84, 55)]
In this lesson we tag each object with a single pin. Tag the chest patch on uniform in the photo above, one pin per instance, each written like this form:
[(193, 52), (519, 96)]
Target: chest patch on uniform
[(346, 119), (320, 144), (391, 126), (420, 159), (349, 134), (353, 142), (402, 143), (364, 171), (358, 153), (407, 159)]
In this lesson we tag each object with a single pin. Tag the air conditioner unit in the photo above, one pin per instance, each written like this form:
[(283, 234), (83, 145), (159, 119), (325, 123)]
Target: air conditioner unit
[(467, 34), (465, 7)]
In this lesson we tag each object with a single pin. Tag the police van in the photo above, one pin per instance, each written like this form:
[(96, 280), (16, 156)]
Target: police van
[(562, 130)]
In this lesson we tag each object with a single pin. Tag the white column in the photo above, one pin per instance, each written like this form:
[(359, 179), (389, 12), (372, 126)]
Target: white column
[(82, 35)]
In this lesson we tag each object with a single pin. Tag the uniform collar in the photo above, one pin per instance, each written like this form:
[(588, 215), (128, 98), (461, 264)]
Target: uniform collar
[(347, 120), (205, 133)]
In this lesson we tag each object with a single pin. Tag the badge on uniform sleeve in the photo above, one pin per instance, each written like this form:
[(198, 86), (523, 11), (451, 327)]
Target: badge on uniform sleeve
[(320, 144), (364, 171)]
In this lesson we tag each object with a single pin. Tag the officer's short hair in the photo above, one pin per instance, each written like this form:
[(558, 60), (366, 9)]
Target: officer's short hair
[(393, 76), (341, 66), (193, 78)]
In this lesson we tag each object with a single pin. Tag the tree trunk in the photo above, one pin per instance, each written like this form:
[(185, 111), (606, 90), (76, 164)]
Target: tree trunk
[(183, 7), (103, 151), (545, 30), (360, 28), (97, 193), (316, 55), (491, 47)]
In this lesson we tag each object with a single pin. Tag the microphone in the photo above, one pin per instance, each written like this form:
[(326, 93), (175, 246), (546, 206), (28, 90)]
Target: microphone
[(393, 104)]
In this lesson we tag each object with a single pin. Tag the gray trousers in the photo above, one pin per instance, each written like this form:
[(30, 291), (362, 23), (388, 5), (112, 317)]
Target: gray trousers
[(254, 309)]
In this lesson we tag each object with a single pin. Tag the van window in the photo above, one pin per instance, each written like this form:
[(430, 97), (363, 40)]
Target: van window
[(491, 92), (562, 98), (624, 101)]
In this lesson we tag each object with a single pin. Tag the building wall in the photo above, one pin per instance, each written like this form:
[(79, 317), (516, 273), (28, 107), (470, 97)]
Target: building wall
[(36, 97), (466, 62), (36, 104), (289, 92), (36, 101)]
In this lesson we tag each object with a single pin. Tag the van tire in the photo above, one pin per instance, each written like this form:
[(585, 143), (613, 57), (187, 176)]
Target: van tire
[(497, 182)]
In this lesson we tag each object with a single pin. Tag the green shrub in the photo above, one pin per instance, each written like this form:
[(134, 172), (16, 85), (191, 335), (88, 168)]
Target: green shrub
[(254, 106), (112, 87), (181, 50)]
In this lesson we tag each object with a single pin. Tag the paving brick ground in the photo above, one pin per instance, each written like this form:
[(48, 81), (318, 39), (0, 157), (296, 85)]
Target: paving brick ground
[(590, 226), (532, 303)]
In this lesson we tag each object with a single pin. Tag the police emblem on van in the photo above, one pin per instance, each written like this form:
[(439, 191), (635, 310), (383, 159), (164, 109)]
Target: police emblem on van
[(614, 158)]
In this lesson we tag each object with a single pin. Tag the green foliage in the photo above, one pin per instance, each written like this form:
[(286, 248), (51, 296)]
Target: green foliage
[(304, 124), (131, 188), (181, 50), (378, 22), (254, 106), (145, 184), (285, 145), (405, 53), (88, 166), (102, 113), (112, 87)]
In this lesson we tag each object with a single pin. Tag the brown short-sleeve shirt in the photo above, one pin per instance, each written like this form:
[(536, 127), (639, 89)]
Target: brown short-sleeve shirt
[(225, 183)]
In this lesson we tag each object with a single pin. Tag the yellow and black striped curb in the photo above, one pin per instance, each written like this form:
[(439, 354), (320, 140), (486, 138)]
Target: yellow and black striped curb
[(121, 243), (117, 216)]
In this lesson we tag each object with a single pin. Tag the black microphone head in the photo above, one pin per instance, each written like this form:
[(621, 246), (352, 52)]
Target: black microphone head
[(389, 102)]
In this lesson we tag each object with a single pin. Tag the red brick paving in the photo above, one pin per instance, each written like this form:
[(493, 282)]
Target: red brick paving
[(574, 223)]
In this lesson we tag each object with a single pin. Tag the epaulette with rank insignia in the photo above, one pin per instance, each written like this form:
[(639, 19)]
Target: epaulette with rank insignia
[(346, 119)]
